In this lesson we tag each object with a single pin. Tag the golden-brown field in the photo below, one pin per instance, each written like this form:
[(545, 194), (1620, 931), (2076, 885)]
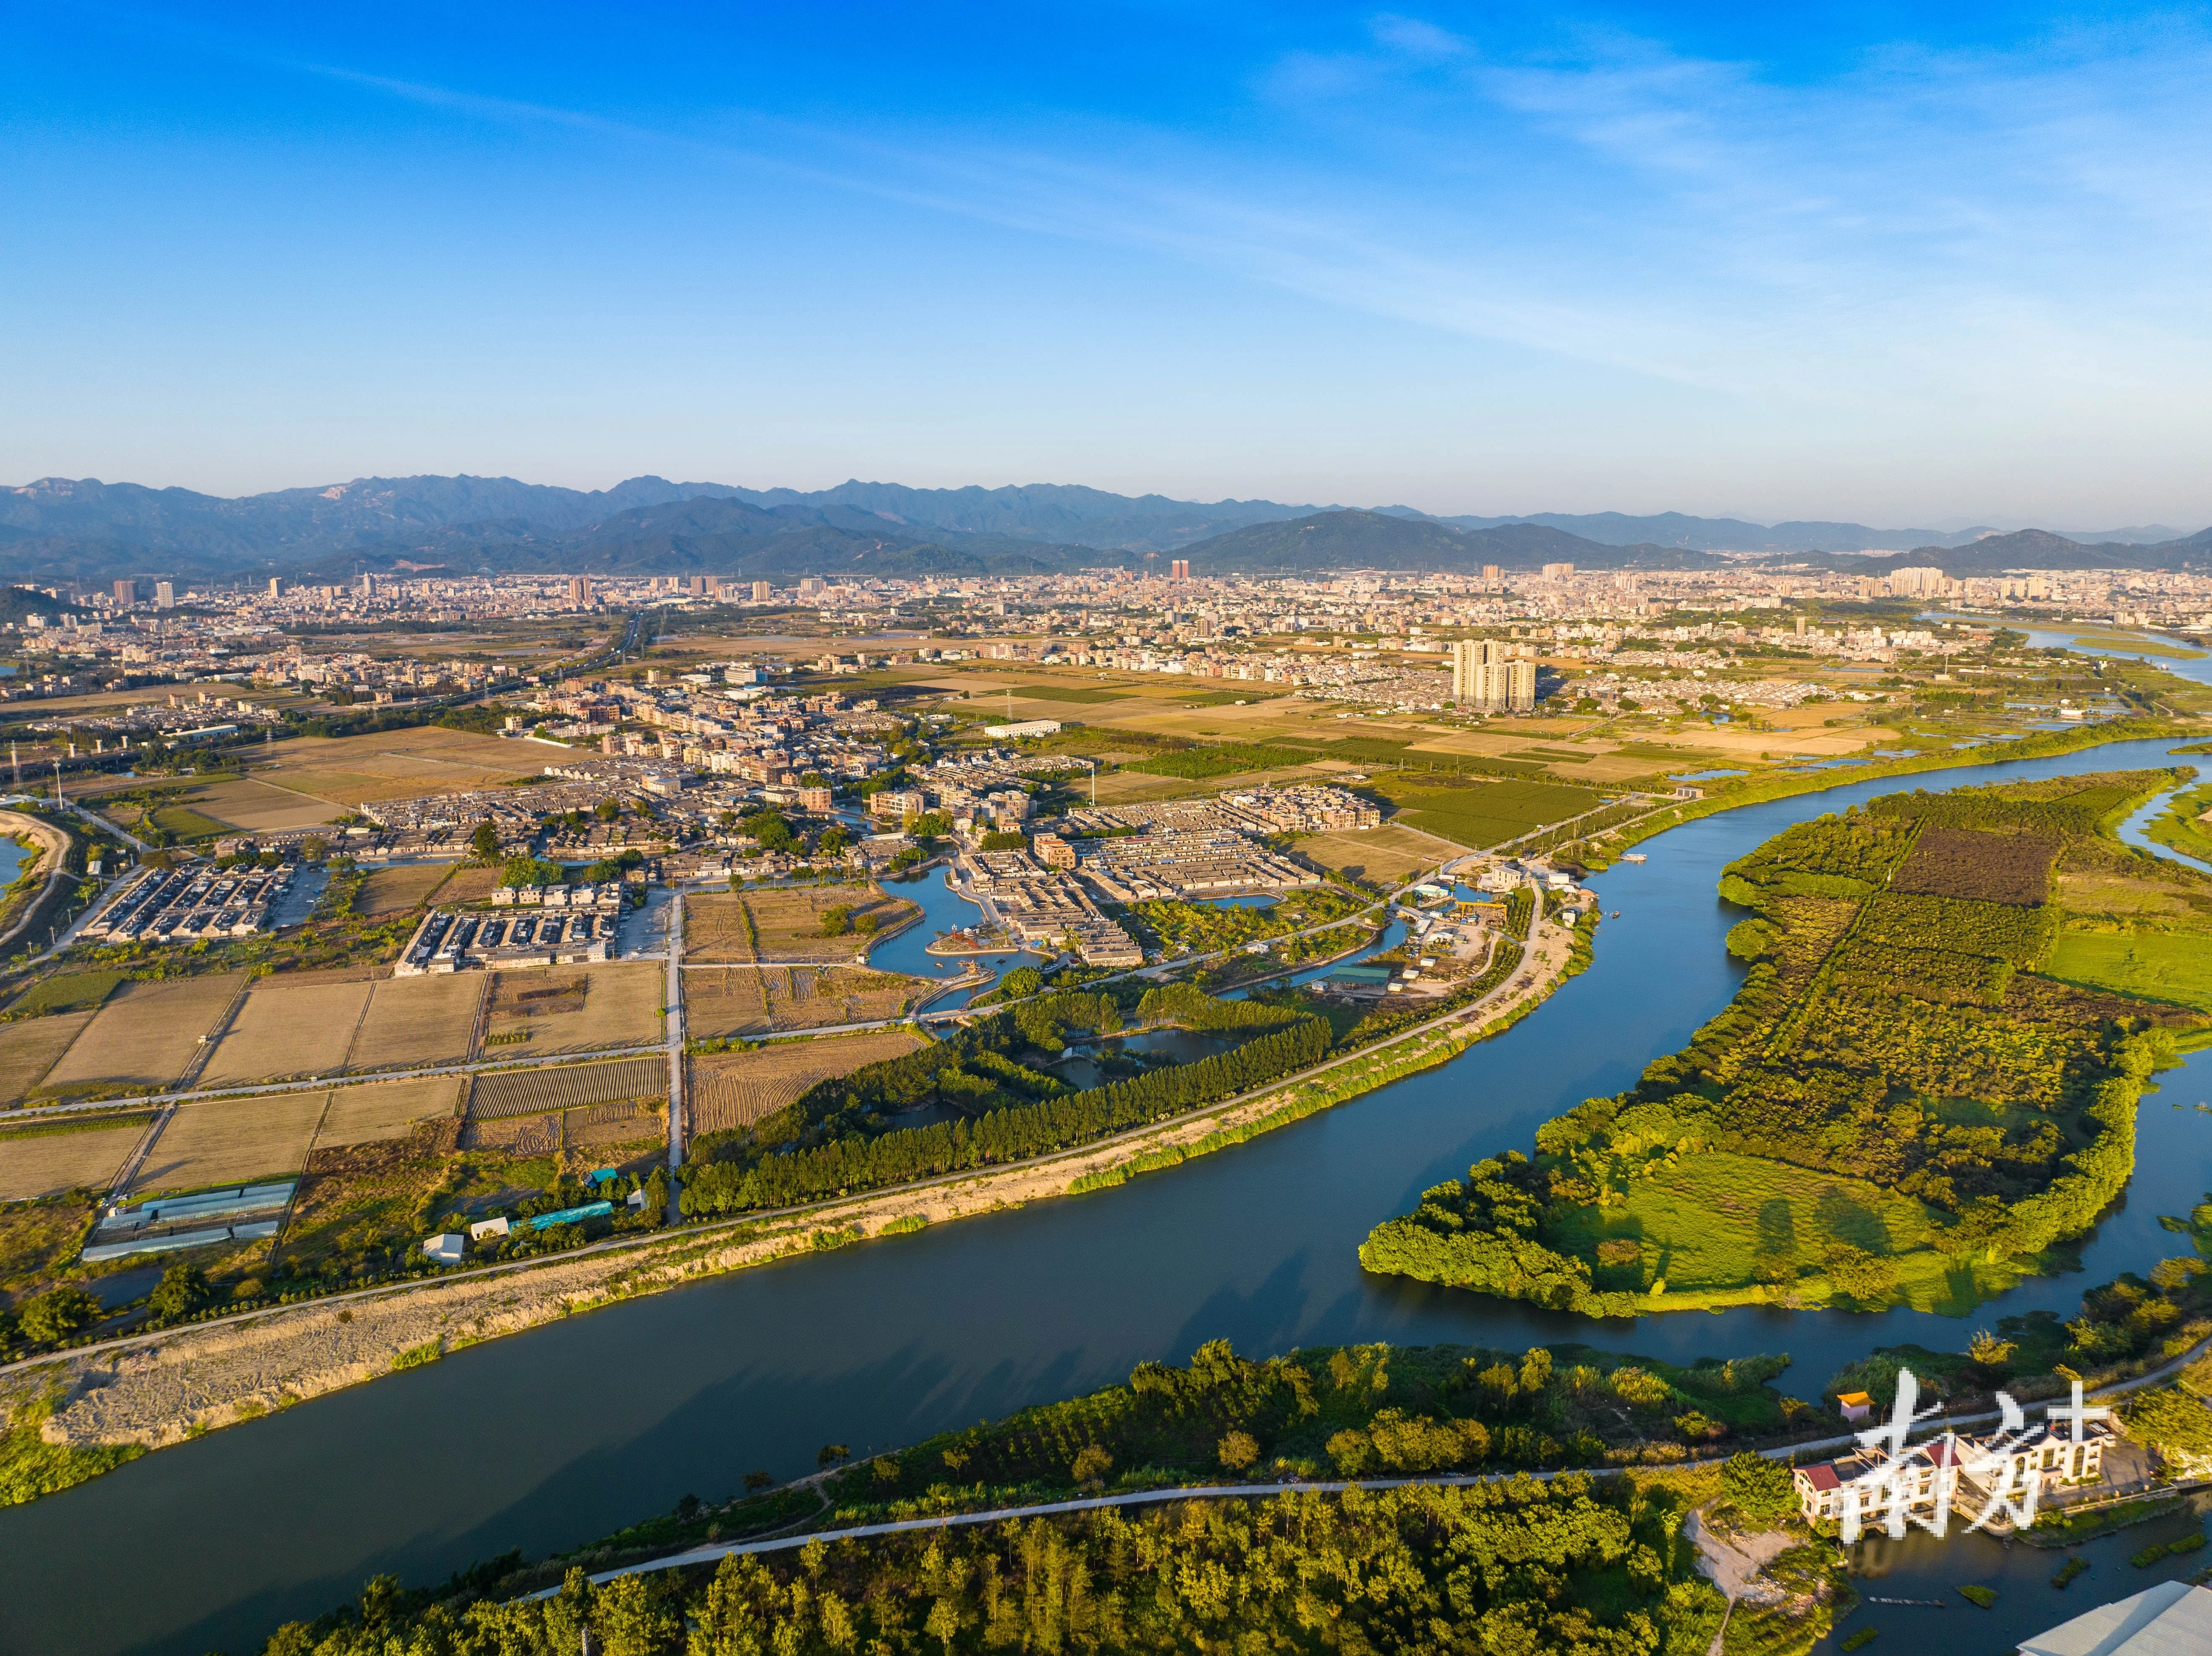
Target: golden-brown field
[(396, 891), (515, 1135), (1386, 853), (785, 924), (260, 807), (286, 1030), (565, 1087), (577, 1009), (46, 1163), (723, 1001), (468, 885), (232, 1141), (811, 996), (143, 1036), (353, 770), (386, 1109), (605, 1126), (413, 1023), (735, 1089), (29, 1049)]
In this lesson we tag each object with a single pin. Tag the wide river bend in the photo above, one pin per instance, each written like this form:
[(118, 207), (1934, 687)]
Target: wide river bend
[(547, 1439)]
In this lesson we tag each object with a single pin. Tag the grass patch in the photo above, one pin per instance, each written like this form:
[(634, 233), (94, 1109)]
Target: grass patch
[(419, 1356), (68, 991), (186, 823), (1065, 693), (1483, 813), (1985, 1597), (1721, 1219), (31, 1467), (2167, 965)]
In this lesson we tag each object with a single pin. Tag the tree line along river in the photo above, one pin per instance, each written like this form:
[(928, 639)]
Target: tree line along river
[(550, 1439)]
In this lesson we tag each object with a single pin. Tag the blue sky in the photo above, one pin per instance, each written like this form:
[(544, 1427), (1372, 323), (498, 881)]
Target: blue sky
[(1778, 261)]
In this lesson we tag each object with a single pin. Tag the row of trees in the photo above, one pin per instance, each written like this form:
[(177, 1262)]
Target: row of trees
[(1575, 1567), (998, 1136)]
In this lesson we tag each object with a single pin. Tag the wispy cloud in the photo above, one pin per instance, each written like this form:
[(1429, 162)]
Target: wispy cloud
[(1913, 218)]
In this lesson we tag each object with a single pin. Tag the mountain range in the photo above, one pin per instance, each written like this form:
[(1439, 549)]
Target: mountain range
[(61, 529)]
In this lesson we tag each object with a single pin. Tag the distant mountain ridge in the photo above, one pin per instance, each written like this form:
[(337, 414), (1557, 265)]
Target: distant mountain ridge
[(59, 529)]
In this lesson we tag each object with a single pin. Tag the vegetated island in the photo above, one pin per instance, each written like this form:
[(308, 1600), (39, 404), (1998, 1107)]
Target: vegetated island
[(1927, 1080), (1578, 1539)]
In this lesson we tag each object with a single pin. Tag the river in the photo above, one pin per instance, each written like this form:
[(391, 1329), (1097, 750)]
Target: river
[(545, 1440)]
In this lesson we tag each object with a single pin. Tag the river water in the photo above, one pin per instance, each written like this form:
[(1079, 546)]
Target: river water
[(545, 1440)]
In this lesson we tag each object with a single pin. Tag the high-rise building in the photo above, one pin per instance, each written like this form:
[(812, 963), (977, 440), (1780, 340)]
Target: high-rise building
[(1558, 570), (580, 591), (367, 584), (1179, 569), (761, 592), (1485, 679), (276, 586), (811, 587), (126, 592), (1490, 574), (165, 595)]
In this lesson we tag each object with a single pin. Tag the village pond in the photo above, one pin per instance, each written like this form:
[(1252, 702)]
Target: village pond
[(549, 1440)]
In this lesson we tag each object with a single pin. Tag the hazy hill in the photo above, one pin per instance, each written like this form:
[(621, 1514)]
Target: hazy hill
[(1382, 540), (2029, 548), (59, 530)]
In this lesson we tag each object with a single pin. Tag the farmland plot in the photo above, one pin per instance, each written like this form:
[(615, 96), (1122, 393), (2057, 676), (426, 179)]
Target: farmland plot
[(566, 1087), (578, 1010), (735, 1089), (787, 925), (398, 890), (604, 1125), (143, 1036), (721, 1003), (44, 1163), (413, 1023), (386, 1109), (518, 1135), (232, 1141), (29, 1049), (287, 1029), (817, 997)]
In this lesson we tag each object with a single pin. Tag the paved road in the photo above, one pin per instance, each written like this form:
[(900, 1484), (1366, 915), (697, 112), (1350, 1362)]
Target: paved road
[(715, 1551)]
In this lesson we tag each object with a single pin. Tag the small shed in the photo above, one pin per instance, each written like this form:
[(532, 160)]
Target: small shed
[(445, 1247), (484, 1228), (1855, 1406)]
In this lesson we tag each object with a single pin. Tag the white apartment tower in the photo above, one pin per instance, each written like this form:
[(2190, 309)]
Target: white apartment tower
[(1488, 680), (165, 595)]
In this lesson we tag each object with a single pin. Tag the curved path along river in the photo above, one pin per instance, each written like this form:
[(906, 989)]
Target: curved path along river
[(549, 1440)]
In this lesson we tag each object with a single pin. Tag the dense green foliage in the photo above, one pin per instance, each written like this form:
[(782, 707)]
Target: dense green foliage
[(31, 1467), (1574, 1567), (842, 1135), (1895, 1038)]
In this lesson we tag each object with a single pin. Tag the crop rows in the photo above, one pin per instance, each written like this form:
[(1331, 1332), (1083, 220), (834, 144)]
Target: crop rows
[(569, 1087)]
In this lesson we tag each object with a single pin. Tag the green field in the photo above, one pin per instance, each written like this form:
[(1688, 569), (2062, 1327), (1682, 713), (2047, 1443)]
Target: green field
[(186, 823), (71, 992), (2167, 965), (1489, 813), (1719, 1221), (1064, 693)]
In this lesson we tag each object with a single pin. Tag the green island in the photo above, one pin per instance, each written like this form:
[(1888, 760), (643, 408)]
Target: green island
[(1927, 1082), (1567, 1531)]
